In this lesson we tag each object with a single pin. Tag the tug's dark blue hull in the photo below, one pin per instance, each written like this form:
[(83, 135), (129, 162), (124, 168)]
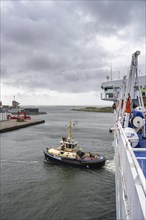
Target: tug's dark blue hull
[(96, 163)]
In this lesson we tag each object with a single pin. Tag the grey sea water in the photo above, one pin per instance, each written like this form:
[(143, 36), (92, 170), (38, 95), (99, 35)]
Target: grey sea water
[(34, 190)]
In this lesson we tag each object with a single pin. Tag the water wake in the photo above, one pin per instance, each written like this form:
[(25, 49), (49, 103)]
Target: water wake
[(110, 165), (20, 161)]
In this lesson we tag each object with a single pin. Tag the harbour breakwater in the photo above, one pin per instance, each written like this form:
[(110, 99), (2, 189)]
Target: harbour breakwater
[(10, 125), (95, 109)]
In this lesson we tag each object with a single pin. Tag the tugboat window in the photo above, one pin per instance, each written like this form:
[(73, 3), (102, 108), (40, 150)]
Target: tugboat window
[(69, 145)]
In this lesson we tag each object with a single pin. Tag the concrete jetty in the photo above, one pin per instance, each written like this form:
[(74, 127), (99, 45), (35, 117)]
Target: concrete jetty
[(10, 125)]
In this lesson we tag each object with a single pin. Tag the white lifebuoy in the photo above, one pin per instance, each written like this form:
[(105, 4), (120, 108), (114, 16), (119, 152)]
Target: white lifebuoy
[(132, 136), (140, 109), (137, 122)]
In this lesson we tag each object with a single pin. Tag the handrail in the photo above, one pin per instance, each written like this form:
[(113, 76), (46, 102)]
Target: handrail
[(139, 149), (135, 162)]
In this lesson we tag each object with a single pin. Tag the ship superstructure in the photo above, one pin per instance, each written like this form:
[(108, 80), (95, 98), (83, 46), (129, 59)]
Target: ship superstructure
[(111, 88)]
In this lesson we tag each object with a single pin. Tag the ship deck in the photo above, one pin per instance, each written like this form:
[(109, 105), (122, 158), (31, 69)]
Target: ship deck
[(140, 153)]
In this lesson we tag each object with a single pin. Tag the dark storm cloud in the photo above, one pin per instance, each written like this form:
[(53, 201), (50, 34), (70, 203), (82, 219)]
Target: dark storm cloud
[(54, 44)]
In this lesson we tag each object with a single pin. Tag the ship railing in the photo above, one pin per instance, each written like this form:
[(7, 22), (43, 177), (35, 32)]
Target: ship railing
[(141, 159), (134, 160), (134, 187)]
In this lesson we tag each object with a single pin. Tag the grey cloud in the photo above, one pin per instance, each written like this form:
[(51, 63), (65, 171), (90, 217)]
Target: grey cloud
[(111, 16), (53, 45)]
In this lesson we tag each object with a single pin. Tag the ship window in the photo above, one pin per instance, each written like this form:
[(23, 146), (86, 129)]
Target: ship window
[(69, 146), (110, 95)]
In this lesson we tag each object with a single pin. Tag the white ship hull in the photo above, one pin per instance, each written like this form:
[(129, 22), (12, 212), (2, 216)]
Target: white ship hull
[(129, 179), (130, 146)]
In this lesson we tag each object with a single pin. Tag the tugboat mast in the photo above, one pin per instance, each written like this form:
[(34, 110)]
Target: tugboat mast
[(69, 129)]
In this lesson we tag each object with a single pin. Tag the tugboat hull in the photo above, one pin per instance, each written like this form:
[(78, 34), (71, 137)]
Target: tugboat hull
[(84, 163)]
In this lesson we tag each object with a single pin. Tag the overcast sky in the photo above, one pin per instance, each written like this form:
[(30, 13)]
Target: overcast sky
[(59, 52)]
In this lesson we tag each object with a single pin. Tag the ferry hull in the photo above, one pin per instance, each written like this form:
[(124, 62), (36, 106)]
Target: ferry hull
[(130, 198), (129, 142), (74, 162)]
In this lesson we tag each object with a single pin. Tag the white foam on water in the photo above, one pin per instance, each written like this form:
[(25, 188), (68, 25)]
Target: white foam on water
[(20, 161), (110, 165)]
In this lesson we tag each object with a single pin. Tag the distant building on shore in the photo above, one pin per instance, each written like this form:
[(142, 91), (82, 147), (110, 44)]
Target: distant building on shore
[(15, 104), (15, 108), (3, 113)]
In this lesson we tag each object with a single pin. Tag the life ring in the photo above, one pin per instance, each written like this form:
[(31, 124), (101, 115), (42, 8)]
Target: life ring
[(137, 122), (131, 136)]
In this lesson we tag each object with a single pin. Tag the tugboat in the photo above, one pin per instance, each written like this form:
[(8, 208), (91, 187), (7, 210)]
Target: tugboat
[(68, 153)]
